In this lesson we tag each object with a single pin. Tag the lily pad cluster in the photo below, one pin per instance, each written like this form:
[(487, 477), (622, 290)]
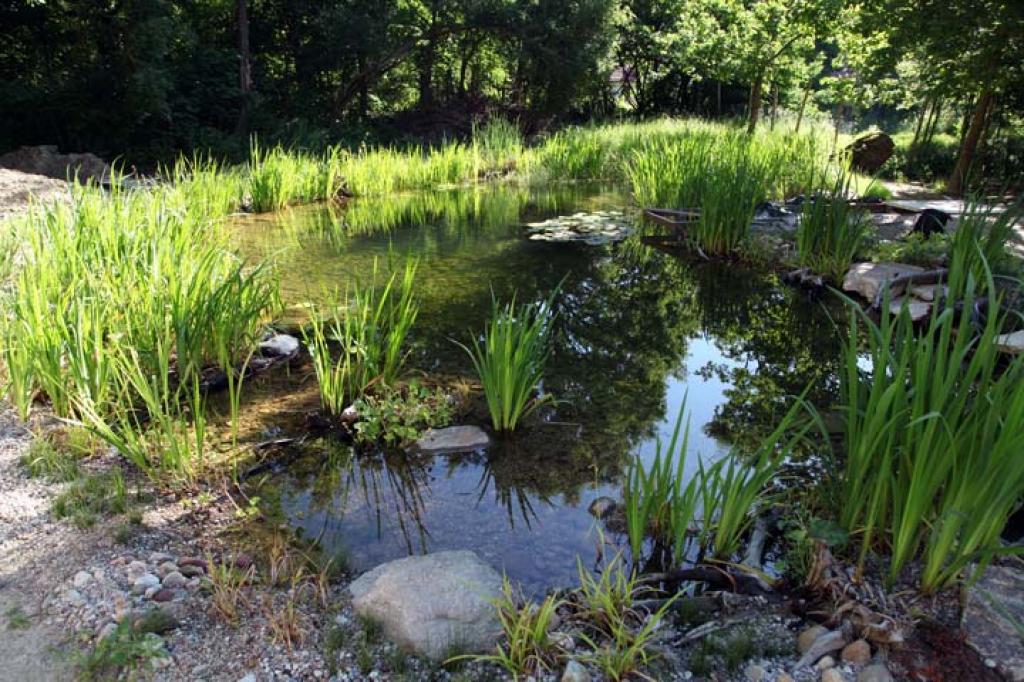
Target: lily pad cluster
[(597, 228)]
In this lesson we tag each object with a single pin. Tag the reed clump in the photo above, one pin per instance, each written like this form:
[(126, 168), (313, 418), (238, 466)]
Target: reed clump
[(934, 426), (831, 231), (509, 359)]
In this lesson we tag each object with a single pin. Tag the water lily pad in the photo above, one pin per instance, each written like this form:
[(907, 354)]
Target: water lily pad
[(595, 229)]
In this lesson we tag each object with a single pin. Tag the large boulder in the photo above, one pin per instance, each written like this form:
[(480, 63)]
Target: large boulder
[(869, 152), (867, 278), (433, 605), (47, 160)]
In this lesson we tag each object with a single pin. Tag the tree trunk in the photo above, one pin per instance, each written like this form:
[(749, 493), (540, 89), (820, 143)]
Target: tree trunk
[(920, 121), (755, 103), (718, 97), (966, 156), (930, 129), (426, 76), (775, 103), (244, 67), (803, 105)]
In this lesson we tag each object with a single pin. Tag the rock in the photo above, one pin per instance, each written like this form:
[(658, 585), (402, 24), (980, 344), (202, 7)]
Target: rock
[(192, 571), (832, 640), (145, 582), (831, 675), (925, 292), (453, 439), (137, 568), (931, 221), (174, 580), (825, 663), (166, 567), (160, 558), (164, 595), (248, 677), (869, 152), (81, 579), (602, 507), (107, 630), (866, 279), (279, 346), (783, 677), (876, 672), (242, 561), (857, 652), (755, 673), (47, 160), (575, 672), (806, 638), (432, 604), (193, 561), (994, 605), (919, 310), (1011, 343), (74, 598)]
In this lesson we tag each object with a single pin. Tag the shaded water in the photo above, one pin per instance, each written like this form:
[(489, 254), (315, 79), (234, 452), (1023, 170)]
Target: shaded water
[(638, 331)]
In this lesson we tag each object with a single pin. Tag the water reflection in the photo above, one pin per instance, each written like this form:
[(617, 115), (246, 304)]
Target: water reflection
[(636, 331)]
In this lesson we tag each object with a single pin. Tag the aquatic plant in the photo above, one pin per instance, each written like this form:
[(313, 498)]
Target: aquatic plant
[(278, 177), (931, 438), (978, 245), (370, 333), (831, 231), (399, 416), (131, 267), (510, 360)]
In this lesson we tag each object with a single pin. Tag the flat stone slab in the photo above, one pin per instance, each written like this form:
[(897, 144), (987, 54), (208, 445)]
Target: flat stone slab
[(453, 439), (919, 310), (437, 605), (994, 610), (1011, 343), (866, 279)]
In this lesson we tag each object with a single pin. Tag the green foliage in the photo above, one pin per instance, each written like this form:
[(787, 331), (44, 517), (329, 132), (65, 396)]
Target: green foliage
[(398, 416), (528, 647), (278, 178), (510, 360), (371, 333), (46, 460), (831, 232), (978, 245), (623, 641), (929, 439), (913, 250), (17, 619), (91, 497), (125, 651)]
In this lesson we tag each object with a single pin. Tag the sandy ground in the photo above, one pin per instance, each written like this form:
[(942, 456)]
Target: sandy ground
[(17, 190)]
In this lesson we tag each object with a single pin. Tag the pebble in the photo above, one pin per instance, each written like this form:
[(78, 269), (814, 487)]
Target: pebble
[(137, 568), (755, 673), (167, 567), (248, 677), (81, 579), (144, 582), (174, 579), (160, 557), (191, 571), (831, 675), (74, 597), (575, 672), (163, 595), (876, 672), (808, 637), (825, 663), (857, 652), (784, 677), (107, 630)]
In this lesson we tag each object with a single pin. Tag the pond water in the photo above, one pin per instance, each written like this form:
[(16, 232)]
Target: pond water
[(638, 332)]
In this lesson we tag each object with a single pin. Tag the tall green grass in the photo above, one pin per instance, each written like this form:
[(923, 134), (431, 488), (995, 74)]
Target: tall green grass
[(144, 272), (933, 435), (509, 360), (831, 232), (716, 505), (370, 333)]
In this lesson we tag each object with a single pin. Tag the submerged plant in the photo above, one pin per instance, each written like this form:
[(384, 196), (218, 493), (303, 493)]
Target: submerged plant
[(510, 360)]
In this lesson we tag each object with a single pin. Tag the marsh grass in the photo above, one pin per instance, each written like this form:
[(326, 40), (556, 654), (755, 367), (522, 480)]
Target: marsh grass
[(933, 430), (370, 333), (91, 497), (831, 232), (510, 358), (717, 504), (528, 648), (127, 651)]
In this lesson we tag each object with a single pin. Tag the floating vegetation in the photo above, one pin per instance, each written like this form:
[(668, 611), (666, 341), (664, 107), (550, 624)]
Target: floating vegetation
[(596, 229)]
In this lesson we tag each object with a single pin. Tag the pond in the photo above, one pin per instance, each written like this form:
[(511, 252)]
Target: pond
[(639, 330)]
